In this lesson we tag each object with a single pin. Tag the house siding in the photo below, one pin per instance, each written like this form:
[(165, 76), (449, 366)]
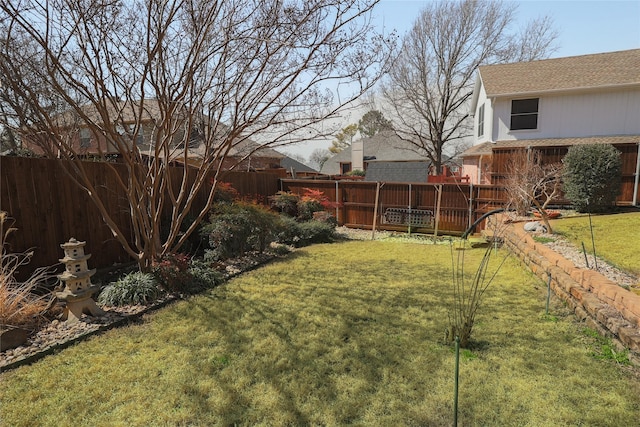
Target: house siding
[(488, 119), (574, 115)]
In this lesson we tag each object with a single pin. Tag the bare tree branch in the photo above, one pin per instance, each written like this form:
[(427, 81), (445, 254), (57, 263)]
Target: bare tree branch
[(157, 81), (430, 84), (529, 182)]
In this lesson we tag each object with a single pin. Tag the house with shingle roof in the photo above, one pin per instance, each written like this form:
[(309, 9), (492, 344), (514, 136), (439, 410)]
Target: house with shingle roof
[(553, 104), (384, 157), (136, 123)]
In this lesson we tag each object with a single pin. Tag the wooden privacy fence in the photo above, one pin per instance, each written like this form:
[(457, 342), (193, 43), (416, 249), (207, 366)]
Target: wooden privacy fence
[(49, 208), (447, 208), (554, 154)]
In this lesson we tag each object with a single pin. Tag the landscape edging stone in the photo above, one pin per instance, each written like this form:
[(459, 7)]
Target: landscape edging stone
[(594, 299)]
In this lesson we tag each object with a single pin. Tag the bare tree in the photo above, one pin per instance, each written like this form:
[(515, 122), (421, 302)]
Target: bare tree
[(319, 157), (431, 81), (529, 182), (206, 76)]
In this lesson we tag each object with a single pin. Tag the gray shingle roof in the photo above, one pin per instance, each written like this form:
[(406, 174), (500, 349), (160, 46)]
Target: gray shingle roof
[(487, 147), (288, 163), (382, 146), (399, 171), (611, 69)]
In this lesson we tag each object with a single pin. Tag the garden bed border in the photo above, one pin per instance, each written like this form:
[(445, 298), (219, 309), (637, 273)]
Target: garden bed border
[(600, 303)]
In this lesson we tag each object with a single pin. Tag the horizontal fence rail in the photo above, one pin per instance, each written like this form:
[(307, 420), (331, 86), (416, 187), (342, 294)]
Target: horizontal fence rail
[(447, 208)]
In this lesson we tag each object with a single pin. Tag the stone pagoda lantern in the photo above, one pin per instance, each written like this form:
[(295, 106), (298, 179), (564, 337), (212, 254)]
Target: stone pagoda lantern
[(78, 289)]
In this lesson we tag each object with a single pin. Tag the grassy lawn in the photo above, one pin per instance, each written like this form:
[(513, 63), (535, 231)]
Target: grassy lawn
[(617, 237), (349, 333)]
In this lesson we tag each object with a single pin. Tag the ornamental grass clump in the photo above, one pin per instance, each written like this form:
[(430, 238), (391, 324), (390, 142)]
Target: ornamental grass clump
[(20, 304), (132, 289)]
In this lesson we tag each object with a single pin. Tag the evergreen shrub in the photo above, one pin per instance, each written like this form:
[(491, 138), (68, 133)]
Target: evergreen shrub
[(592, 177), (234, 229)]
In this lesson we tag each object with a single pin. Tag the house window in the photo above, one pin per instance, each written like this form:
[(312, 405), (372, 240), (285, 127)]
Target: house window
[(481, 120), (85, 138), (345, 168), (524, 114)]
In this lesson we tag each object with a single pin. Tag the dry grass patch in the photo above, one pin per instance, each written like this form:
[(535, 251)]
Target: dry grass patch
[(340, 334), (20, 305)]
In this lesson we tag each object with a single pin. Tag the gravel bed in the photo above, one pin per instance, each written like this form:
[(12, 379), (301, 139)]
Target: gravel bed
[(575, 255)]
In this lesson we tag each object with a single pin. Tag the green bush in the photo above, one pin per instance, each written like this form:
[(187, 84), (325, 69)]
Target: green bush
[(298, 234), (134, 288), (281, 250), (288, 231), (234, 229), (203, 276), (225, 193), (325, 216), (315, 232), (307, 207), (285, 202), (592, 176)]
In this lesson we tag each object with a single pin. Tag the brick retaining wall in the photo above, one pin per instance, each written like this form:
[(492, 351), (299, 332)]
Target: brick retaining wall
[(600, 303)]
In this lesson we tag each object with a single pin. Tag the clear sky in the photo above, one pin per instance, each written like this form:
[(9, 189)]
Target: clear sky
[(584, 27)]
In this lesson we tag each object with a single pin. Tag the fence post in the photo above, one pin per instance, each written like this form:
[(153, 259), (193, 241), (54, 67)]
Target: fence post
[(409, 220), (438, 188), (337, 204), (375, 211), (471, 201)]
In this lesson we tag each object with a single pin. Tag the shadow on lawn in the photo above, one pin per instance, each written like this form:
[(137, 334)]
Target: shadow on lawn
[(325, 338)]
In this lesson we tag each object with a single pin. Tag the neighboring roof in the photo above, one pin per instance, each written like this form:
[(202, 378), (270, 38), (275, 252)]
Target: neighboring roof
[(147, 109), (398, 171), (478, 150), (488, 147), (240, 149), (289, 163), (382, 146), (603, 70), (565, 142)]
